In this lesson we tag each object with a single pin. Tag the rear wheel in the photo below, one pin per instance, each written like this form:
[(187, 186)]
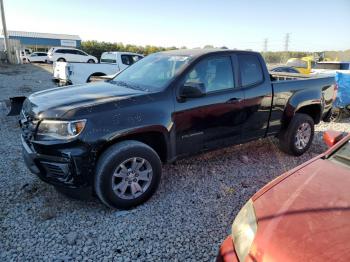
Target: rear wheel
[(91, 61), (61, 60), (297, 138), (127, 174)]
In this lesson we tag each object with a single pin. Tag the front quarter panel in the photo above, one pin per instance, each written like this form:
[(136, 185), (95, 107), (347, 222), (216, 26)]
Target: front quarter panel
[(111, 121)]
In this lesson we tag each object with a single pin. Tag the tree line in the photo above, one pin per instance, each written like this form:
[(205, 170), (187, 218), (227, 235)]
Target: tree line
[(96, 48)]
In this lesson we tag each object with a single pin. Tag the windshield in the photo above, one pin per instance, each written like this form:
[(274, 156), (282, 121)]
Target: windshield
[(342, 155), (152, 73), (297, 63)]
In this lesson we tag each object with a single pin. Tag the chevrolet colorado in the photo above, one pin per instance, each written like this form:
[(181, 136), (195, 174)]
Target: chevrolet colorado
[(113, 136)]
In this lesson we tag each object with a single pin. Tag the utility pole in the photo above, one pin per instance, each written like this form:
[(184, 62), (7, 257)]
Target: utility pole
[(286, 43), (4, 29), (265, 44)]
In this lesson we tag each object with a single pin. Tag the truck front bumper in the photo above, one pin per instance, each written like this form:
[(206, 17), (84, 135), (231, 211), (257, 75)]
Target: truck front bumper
[(63, 170)]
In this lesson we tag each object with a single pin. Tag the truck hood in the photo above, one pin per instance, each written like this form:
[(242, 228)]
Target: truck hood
[(58, 101), (305, 216)]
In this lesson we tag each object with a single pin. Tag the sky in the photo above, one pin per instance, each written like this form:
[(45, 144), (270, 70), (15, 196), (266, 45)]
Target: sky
[(312, 25)]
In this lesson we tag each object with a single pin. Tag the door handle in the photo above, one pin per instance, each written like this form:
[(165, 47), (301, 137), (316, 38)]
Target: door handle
[(235, 100)]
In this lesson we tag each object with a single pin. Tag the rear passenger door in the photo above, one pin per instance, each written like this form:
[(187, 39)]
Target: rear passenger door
[(81, 56), (258, 95)]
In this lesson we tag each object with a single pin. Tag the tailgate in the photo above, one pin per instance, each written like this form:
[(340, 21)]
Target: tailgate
[(61, 70)]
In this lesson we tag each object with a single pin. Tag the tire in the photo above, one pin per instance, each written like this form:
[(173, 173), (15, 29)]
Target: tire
[(335, 115), (61, 60), (91, 61), (293, 140), (115, 179)]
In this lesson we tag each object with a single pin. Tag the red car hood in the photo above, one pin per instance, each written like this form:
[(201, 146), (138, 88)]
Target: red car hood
[(306, 216)]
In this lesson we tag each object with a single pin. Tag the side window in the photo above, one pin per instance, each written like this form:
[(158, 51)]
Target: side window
[(251, 71), (80, 52), (42, 54), (215, 73), (126, 60), (62, 51), (72, 52), (135, 58)]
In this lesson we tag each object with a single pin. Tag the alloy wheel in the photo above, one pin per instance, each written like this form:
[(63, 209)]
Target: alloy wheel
[(302, 136), (132, 178)]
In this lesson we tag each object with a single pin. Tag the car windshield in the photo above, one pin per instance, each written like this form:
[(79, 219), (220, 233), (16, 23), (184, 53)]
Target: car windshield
[(152, 73), (342, 155), (297, 63)]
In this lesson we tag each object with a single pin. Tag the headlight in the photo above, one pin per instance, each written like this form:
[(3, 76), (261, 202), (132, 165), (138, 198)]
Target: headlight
[(56, 129), (244, 229)]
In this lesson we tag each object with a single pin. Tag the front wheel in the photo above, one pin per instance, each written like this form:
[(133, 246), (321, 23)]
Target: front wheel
[(297, 137), (127, 174), (91, 61)]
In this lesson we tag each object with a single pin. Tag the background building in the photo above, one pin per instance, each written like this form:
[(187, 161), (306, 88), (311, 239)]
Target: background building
[(44, 41)]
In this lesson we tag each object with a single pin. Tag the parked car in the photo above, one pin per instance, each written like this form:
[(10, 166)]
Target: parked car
[(113, 136), (302, 215), (77, 73), (304, 65), (285, 69), (68, 54), (24, 53), (37, 57)]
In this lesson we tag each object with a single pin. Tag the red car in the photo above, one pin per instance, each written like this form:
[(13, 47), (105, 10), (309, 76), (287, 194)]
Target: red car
[(303, 215)]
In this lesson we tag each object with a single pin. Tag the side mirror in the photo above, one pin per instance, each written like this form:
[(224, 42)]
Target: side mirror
[(193, 90), (332, 137)]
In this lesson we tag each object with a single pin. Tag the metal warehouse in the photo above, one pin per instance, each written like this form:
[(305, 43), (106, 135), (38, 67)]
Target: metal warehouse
[(44, 41)]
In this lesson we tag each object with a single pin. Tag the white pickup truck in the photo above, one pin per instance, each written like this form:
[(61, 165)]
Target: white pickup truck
[(70, 73)]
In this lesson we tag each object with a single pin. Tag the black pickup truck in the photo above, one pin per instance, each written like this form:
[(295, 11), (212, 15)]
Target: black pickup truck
[(113, 136)]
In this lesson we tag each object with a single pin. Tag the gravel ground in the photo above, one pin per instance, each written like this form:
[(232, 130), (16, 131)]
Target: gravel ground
[(186, 219)]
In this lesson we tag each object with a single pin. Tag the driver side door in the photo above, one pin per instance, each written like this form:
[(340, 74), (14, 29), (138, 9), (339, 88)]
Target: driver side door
[(213, 120)]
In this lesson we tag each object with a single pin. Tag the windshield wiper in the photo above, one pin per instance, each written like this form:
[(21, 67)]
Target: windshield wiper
[(343, 157)]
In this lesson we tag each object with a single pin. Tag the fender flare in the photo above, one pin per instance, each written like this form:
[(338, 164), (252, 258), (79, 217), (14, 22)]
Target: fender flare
[(127, 133), (301, 100)]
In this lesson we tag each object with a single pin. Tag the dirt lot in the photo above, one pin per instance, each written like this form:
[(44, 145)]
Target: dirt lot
[(186, 219)]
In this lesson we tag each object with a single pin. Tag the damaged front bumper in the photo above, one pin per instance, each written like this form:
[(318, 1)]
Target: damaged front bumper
[(62, 169)]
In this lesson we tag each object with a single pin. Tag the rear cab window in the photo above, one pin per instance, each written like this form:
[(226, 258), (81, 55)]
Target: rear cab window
[(108, 58), (250, 70)]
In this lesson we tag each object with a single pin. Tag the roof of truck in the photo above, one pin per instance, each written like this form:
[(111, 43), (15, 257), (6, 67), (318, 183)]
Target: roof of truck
[(199, 52)]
